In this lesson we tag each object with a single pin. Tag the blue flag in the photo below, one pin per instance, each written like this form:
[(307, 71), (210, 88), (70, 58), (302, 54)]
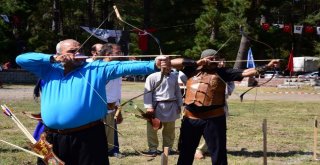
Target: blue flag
[(250, 60)]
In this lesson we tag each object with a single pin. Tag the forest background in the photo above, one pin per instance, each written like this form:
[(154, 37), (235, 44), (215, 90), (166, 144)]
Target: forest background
[(184, 27)]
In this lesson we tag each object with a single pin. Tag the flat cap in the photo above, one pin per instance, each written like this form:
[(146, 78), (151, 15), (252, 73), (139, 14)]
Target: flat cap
[(208, 52)]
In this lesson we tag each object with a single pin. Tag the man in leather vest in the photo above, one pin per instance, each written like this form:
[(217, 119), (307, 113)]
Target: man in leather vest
[(204, 104)]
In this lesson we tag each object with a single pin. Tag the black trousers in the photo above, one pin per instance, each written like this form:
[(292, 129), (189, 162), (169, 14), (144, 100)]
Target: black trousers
[(214, 132), (87, 147)]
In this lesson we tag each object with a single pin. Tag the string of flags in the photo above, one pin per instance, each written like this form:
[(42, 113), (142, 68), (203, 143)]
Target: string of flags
[(289, 28)]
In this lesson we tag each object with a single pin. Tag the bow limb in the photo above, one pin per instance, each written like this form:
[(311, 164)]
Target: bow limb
[(273, 56), (242, 94), (130, 100), (158, 43)]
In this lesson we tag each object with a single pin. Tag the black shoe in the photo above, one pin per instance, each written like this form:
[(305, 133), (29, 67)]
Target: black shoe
[(151, 153), (173, 152)]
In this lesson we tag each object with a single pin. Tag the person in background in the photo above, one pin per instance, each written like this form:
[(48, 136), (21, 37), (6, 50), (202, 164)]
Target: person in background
[(204, 104), (163, 102), (7, 66), (73, 99), (95, 49), (113, 89)]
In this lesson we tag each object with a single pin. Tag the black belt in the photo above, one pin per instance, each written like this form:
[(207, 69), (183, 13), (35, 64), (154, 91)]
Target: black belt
[(73, 130)]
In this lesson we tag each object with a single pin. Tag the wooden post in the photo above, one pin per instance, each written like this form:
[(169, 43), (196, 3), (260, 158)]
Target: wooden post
[(315, 138), (264, 129), (164, 156)]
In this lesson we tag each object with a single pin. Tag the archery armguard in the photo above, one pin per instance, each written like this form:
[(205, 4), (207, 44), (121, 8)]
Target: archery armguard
[(261, 69)]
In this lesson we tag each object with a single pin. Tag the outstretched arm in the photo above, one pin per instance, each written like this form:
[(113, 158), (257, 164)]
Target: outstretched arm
[(259, 70), (179, 63)]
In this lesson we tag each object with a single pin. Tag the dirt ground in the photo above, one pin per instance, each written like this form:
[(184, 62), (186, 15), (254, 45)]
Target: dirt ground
[(18, 92)]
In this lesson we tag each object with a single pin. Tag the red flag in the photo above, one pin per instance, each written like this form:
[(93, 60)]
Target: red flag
[(290, 63), (287, 28), (265, 26), (143, 38), (309, 29)]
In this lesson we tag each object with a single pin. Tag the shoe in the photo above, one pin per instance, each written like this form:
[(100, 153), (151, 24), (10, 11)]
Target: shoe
[(173, 152), (159, 152), (118, 155), (198, 155), (151, 153)]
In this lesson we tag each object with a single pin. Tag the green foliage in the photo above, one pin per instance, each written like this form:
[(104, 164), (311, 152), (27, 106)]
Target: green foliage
[(183, 27)]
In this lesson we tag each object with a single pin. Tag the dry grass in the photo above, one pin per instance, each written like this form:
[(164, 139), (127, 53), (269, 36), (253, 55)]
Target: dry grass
[(290, 132)]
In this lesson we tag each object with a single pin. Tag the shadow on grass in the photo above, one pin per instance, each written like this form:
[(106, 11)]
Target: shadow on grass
[(4, 150), (141, 154), (269, 154)]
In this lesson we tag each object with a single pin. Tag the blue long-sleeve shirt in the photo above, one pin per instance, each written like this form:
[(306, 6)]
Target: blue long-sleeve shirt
[(69, 101)]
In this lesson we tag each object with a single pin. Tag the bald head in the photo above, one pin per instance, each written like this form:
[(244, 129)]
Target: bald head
[(67, 46), (95, 49)]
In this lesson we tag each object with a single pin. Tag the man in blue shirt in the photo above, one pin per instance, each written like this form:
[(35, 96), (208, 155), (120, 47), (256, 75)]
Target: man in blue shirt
[(73, 99)]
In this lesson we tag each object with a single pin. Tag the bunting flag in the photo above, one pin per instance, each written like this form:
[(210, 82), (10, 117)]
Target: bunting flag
[(5, 18), (287, 28), (104, 34), (318, 30), (309, 29), (290, 63), (298, 29), (280, 26), (265, 26), (250, 60)]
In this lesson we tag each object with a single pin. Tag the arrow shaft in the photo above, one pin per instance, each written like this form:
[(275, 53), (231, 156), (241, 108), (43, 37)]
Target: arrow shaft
[(100, 57), (240, 60), (20, 148)]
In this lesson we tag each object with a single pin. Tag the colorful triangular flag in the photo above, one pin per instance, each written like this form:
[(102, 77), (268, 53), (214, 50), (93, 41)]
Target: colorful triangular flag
[(250, 60)]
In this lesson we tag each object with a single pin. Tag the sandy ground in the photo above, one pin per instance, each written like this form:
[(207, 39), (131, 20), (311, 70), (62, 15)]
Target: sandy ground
[(18, 92)]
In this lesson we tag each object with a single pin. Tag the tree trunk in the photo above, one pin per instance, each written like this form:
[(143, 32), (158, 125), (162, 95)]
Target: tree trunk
[(251, 15), (244, 44), (146, 20), (90, 13), (56, 22)]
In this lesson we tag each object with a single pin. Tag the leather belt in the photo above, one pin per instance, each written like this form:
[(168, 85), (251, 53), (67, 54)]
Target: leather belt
[(204, 115), (73, 130)]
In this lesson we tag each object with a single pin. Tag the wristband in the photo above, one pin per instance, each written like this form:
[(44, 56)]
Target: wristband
[(261, 69)]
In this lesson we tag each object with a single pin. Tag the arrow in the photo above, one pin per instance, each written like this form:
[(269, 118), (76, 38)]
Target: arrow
[(100, 57)]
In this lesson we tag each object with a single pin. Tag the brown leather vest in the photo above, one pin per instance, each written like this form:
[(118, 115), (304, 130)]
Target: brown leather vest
[(205, 89)]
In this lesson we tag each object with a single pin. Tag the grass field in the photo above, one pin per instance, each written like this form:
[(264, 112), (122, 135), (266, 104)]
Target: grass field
[(289, 131)]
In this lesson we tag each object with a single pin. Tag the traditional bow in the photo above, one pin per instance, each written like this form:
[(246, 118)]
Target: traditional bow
[(162, 74), (273, 55)]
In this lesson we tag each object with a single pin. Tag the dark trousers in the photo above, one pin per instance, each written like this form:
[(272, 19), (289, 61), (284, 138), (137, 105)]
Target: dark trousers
[(214, 132), (86, 147), (116, 149)]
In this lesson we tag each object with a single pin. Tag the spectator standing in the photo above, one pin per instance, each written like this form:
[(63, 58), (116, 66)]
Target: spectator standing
[(164, 103)]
